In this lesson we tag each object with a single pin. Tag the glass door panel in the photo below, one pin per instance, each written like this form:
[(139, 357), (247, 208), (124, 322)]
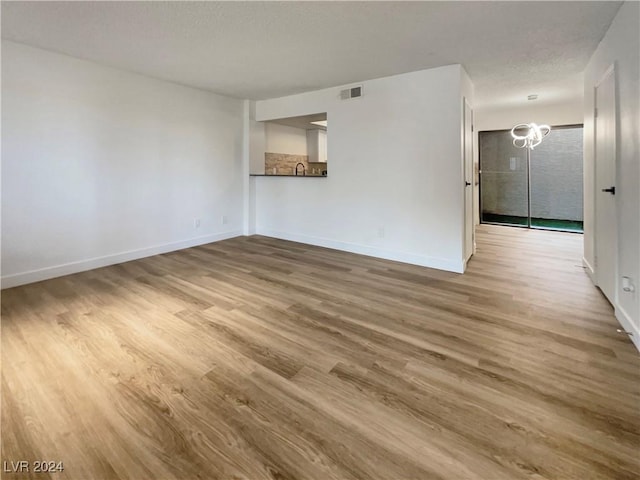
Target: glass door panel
[(503, 180), (556, 180)]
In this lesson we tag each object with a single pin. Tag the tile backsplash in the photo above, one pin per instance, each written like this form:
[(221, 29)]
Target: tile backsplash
[(285, 164)]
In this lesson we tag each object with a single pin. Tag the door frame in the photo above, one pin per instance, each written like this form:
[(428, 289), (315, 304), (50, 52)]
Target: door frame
[(467, 177)]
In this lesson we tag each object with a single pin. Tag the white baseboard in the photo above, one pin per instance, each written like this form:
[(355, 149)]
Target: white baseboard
[(627, 324), (589, 269), (46, 273), (422, 260)]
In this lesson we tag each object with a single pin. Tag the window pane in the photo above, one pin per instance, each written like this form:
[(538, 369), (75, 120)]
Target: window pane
[(503, 181), (556, 180)]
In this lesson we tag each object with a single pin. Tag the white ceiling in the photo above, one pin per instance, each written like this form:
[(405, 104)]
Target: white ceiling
[(263, 50)]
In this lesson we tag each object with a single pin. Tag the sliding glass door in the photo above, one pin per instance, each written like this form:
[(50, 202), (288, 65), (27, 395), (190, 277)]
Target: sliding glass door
[(545, 194)]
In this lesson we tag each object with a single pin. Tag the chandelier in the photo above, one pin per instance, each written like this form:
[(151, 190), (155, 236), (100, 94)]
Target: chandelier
[(533, 135)]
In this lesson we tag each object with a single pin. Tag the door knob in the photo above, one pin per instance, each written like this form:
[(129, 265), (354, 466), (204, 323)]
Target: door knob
[(611, 190), (466, 184)]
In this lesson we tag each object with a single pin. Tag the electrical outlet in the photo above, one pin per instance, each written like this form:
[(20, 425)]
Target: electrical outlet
[(381, 232), (627, 284), (224, 220), (196, 223)]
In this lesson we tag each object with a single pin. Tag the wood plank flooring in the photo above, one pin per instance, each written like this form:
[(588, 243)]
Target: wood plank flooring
[(256, 358)]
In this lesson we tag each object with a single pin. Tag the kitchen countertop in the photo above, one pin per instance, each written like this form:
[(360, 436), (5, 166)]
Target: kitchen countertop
[(289, 175)]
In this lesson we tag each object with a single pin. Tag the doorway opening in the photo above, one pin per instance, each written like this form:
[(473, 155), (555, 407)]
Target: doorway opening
[(542, 191)]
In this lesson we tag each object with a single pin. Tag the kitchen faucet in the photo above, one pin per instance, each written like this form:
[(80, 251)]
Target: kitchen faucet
[(303, 169)]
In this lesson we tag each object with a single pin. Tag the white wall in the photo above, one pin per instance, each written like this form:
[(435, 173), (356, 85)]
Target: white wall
[(285, 139), (503, 118), (394, 188), (257, 141), (101, 166), (621, 45)]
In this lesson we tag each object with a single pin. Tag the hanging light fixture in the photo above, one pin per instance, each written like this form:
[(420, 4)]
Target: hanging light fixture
[(532, 137)]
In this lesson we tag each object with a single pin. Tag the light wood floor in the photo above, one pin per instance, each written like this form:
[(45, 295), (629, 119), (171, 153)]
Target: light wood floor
[(256, 358)]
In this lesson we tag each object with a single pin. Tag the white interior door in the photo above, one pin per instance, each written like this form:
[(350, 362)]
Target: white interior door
[(468, 181), (606, 241)]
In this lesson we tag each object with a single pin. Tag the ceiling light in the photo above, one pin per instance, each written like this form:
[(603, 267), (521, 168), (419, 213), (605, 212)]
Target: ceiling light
[(532, 138), (322, 123)]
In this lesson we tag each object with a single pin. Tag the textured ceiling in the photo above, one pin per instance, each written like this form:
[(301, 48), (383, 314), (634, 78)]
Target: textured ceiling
[(263, 50)]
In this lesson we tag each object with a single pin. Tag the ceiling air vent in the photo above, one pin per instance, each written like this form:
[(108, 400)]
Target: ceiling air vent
[(353, 92)]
